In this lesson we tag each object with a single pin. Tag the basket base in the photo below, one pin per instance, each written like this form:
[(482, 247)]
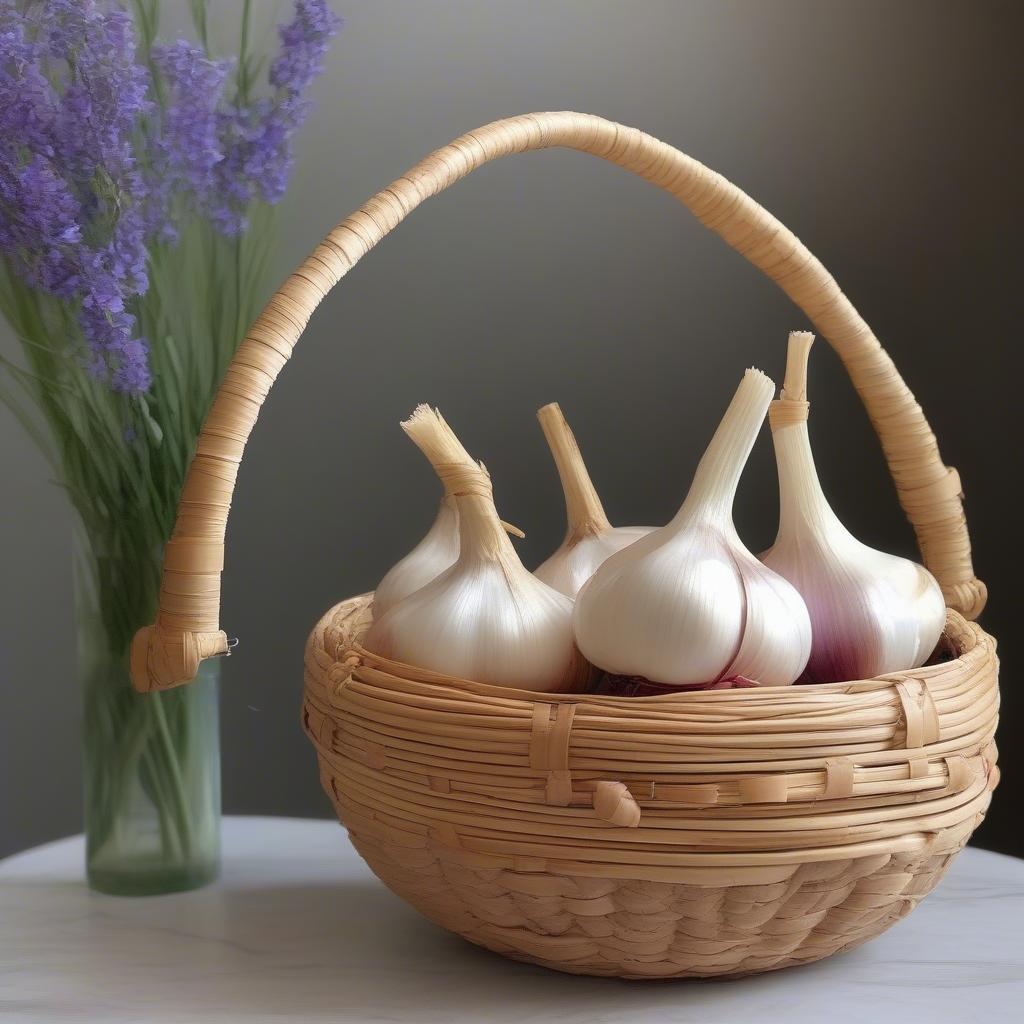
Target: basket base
[(636, 929)]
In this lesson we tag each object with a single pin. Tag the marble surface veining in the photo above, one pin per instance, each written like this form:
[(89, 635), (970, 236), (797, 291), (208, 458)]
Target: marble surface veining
[(299, 930)]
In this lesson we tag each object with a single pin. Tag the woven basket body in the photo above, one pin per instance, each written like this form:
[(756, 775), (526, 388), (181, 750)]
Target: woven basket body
[(699, 834), (694, 834)]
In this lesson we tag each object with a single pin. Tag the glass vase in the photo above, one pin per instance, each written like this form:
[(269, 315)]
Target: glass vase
[(152, 761)]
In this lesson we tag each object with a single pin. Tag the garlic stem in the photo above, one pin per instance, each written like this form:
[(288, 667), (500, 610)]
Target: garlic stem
[(794, 384), (717, 477), (589, 537), (442, 447), (481, 533), (583, 509), (802, 502), (429, 431), (439, 548)]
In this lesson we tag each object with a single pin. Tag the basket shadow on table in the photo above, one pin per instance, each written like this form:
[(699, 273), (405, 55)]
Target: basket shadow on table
[(352, 950)]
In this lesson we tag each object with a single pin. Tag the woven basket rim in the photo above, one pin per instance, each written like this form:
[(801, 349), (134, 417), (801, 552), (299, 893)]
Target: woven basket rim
[(961, 635)]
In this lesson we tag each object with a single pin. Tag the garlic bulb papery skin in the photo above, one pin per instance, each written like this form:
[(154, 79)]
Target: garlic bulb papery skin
[(689, 603), (438, 549), (589, 538), (486, 617), (871, 612)]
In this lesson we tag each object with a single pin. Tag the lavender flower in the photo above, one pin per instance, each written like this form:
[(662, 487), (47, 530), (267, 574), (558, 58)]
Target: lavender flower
[(98, 161), (188, 148), (304, 45), (70, 191), (28, 99), (257, 136), (104, 90)]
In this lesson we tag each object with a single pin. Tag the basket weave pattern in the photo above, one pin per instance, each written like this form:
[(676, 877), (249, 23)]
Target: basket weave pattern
[(639, 929), (656, 837)]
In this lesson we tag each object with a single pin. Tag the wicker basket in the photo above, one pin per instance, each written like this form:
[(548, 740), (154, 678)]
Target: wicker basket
[(695, 834), (698, 834)]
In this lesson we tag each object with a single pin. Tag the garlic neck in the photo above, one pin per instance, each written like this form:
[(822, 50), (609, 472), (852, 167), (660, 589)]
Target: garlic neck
[(713, 490), (448, 511), (585, 515), (481, 535), (443, 535), (803, 507)]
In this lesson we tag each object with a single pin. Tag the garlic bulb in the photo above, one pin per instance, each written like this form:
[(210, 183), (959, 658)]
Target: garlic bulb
[(438, 549), (590, 538), (871, 612), (435, 552), (485, 617), (689, 603)]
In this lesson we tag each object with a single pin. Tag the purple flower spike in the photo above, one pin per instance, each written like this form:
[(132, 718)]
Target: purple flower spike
[(98, 161), (257, 138), (304, 43), (188, 148), (71, 195)]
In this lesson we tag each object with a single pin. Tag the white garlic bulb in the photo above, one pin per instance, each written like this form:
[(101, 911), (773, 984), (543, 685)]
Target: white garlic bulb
[(689, 603), (486, 617), (438, 549), (435, 552), (589, 538), (871, 612)]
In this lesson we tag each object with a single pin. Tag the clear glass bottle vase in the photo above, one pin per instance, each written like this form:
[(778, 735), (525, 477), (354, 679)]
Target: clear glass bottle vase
[(152, 761)]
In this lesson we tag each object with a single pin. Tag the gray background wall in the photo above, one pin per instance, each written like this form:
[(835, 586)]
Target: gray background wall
[(885, 134)]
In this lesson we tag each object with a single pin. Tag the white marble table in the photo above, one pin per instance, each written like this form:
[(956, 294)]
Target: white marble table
[(299, 930)]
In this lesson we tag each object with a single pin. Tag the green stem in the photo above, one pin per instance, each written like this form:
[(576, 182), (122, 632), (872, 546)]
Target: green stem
[(238, 285), (199, 22), (172, 771), (153, 778), (243, 55)]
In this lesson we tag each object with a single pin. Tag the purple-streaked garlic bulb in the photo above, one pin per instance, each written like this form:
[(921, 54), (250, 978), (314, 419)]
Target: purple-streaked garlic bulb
[(871, 612), (590, 538), (689, 604)]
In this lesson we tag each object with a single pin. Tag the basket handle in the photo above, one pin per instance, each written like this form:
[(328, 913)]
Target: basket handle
[(187, 627)]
